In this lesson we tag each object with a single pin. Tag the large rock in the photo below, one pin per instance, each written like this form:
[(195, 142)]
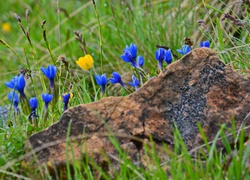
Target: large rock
[(198, 88)]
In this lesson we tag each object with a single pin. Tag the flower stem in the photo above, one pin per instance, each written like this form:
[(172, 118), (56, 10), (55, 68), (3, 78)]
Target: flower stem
[(92, 80), (45, 113), (100, 32)]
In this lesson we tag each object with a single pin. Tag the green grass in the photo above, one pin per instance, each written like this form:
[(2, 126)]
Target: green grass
[(107, 30)]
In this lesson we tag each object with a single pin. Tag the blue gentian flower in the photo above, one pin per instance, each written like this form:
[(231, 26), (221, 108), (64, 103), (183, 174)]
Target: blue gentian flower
[(159, 56), (33, 103), (102, 81), (135, 83), (13, 97), (184, 50), (50, 73), (116, 79), (65, 98), (140, 61), (17, 83), (47, 98), (168, 56), (130, 55), (205, 44)]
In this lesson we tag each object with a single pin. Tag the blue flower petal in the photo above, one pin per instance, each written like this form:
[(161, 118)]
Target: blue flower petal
[(205, 44), (47, 98), (140, 61), (184, 50), (21, 83), (10, 84), (135, 82), (133, 50), (44, 71), (180, 51), (117, 76), (33, 103), (66, 97), (129, 55), (102, 81), (168, 56), (159, 54), (13, 97), (125, 58), (17, 83), (116, 79), (98, 79), (50, 73)]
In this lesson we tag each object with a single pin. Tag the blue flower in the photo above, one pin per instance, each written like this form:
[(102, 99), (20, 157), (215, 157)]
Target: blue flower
[(160, 56), (17, 83), (102, 81), (47, 98), (50, 73), (33, 103), (65, 98), (140, 61), (168, 56), (130, 55), (13, 97), (116, 79), (135, 83), (184, 50), (205, 44)]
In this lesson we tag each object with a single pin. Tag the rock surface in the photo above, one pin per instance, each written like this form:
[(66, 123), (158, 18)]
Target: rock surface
[(198, 88)]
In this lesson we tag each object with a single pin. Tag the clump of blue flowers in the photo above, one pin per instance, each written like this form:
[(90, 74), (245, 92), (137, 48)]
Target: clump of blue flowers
[(18, 83), (29, 106), (130, 55), (163, 54)]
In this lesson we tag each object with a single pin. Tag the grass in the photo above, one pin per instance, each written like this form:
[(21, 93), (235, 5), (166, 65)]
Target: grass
[(106, 31)]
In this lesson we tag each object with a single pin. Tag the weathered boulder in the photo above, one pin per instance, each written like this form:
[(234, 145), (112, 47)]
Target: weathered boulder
[(198, 88)]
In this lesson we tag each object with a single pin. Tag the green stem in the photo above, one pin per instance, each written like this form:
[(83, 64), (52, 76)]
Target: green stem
[(100, 32), (8, 46), (45, 114), (92, 80)]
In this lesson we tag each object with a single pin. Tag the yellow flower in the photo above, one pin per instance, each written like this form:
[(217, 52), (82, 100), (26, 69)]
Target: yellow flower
[(6, 27), (85, 62)]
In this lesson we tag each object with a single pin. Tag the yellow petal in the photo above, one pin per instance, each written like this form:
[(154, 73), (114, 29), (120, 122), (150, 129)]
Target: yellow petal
[(85, 62)]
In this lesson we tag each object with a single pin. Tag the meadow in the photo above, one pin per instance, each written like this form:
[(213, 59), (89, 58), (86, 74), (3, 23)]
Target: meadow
[(36, 34)]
